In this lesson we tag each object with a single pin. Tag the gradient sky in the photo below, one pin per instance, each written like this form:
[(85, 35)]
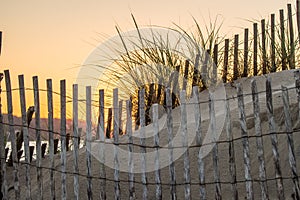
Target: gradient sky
[(52, 39)]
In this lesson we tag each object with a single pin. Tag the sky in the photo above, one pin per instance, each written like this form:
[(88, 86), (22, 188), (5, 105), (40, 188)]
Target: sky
[(52, 39)]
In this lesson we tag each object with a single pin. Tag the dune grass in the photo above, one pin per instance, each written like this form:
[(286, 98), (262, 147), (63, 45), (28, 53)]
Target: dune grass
[(155, 57)]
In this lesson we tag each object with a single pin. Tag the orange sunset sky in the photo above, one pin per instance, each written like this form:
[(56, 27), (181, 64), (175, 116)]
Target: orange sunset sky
[(52, 39)]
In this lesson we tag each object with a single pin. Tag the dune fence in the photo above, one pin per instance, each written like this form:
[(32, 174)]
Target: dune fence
[(245, 161), (238, 139)]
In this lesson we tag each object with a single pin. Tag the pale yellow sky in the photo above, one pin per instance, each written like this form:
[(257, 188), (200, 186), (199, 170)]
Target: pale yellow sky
[(52, 39)]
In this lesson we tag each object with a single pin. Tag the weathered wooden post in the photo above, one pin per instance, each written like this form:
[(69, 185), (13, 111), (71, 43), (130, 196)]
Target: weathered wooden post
[(12, 133), (50, 135), (246, 51), (236, 57), (273, 61), (225, 67), (255, 47), (3, 186), (298, 17), (282, 39), (263, 44)]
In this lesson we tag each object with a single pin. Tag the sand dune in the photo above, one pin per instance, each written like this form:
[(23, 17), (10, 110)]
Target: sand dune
[(285, 78)]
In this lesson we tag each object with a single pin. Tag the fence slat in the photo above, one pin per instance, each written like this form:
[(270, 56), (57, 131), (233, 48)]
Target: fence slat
[(89, 141), (236, 57), (215, 64), (245, 142), (116, 143), (199, 142), (143, 141), (38, 136), (212, 116), (63, 138), (255, 47), (130, 150), (12, 134), (232, 166), (292, 40), (3, 182), (282, 39), (51, 140), (290, 140), (170, 144), (226, 51), (185, 75), (246, 51), (75, 141), (298, 17), (25, 135), (263, 46), (273, 61), (102, 136), (272, 131), (259, 141), (297, 84), (186, 161), (158, 191)]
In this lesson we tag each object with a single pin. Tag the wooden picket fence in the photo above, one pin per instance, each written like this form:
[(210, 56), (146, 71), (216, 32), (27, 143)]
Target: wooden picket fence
[(131, 184)]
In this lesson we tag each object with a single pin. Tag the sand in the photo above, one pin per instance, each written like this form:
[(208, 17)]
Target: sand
[(285, 78)]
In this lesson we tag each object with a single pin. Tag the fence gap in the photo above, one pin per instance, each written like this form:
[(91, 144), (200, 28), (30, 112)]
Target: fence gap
[(245, 142), (56, 140), (43, 149), (68, 137), (259, 141), (63, 138), (290, 140), (170, 144), (109, 123), (120, 117), (158, 191), (116, 144), (89, 141), (31, 149), (201, 172), (272, 131)]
